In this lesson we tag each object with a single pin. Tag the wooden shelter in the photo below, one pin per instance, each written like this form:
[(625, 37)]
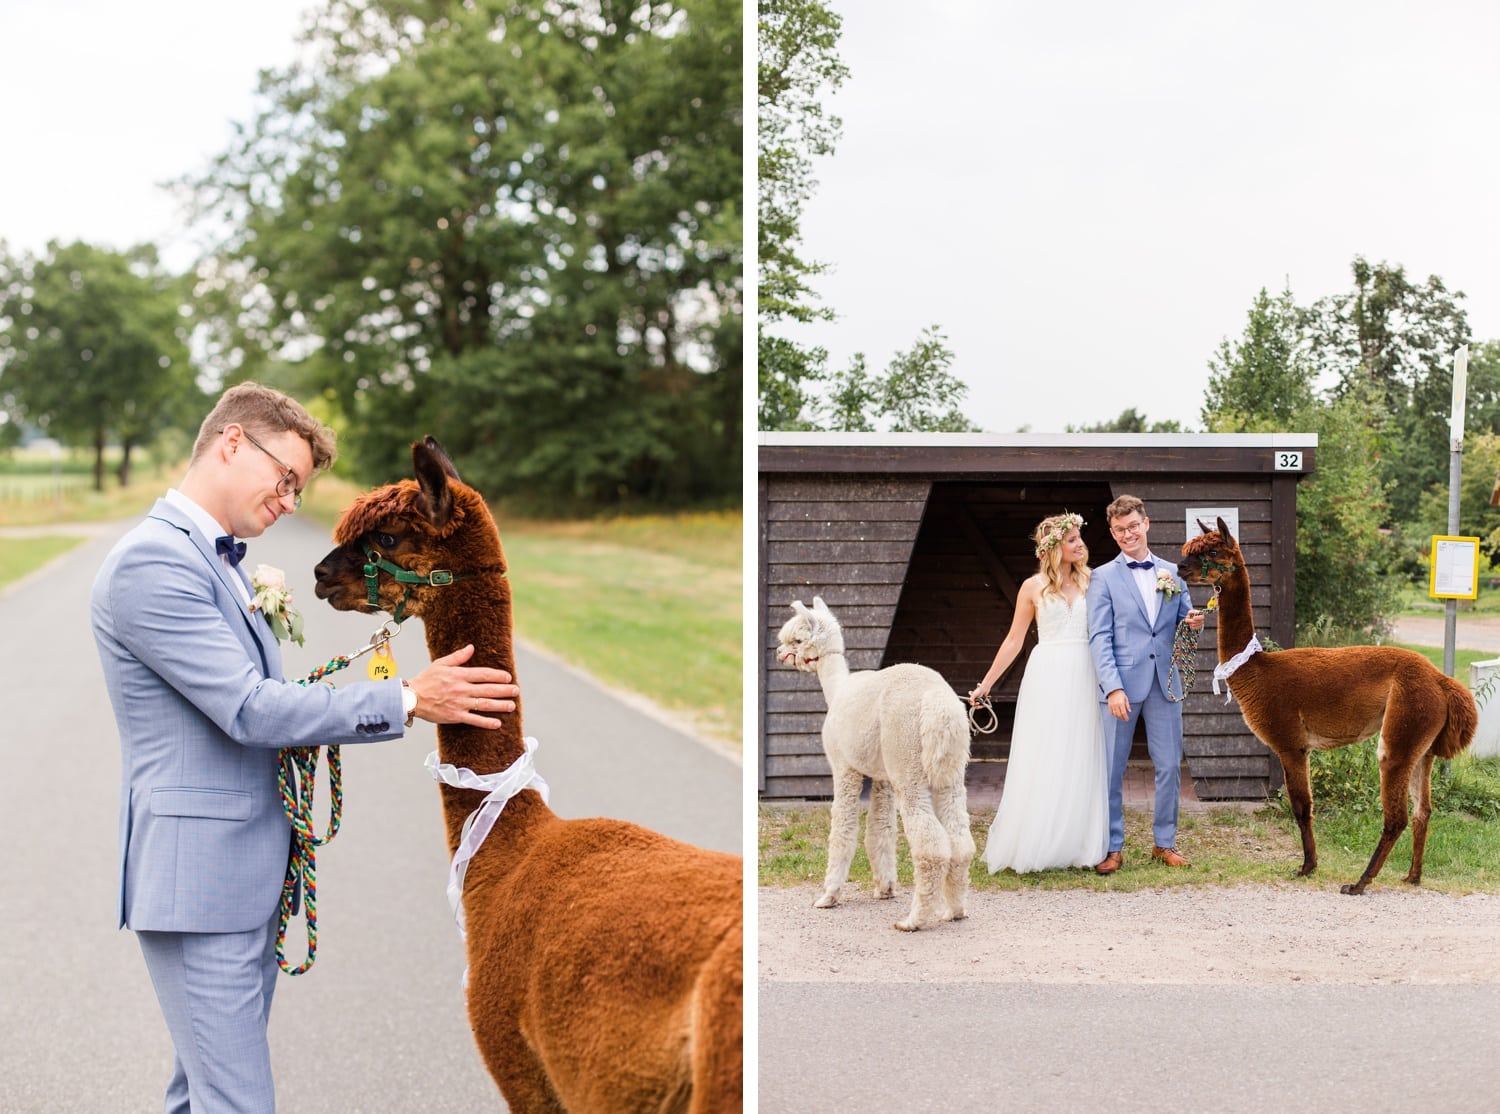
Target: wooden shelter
[(919, 542)]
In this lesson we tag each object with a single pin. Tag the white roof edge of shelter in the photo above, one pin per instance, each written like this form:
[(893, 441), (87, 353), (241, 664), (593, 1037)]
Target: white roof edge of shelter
[(1044, 440)]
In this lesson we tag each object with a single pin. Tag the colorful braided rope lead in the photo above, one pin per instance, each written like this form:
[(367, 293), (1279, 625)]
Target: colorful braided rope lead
[(297, 780), (1184, 653)]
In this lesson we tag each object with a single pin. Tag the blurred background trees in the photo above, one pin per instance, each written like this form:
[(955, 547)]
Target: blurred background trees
[(516, 227)]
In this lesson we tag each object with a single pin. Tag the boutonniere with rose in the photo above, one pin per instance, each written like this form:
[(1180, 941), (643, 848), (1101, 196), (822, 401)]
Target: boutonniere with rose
[(1167, 584), (273, 599)]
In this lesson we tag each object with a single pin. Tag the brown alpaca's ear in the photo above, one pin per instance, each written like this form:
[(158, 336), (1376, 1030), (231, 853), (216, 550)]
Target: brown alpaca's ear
[(1224, 531), (441, 453), (1207, 529), (432, 479)]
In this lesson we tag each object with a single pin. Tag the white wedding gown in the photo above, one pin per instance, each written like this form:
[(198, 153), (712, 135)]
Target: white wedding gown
[(1053, 811)]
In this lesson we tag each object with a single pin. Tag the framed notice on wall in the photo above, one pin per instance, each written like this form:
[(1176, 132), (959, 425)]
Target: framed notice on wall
[(1455, 568)]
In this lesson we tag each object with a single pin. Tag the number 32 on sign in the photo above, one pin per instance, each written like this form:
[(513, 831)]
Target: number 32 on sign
[(1288, 461)]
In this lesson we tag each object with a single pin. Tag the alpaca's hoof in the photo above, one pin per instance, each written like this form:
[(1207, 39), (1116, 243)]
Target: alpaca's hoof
[(886, 891), (1307, 868), (907, 925), (827, 901), (957, 914), (1353, 889), (1413, 879)]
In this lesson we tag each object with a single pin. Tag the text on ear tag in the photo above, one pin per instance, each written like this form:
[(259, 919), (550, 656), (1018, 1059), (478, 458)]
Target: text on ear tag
[(382, 665)]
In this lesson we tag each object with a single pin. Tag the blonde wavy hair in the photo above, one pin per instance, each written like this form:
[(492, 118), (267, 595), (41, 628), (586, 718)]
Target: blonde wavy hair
[(1048, 537)]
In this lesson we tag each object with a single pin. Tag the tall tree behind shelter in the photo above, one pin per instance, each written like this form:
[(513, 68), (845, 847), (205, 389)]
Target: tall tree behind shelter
[(1397, 337), (95, 346), (515, 226)]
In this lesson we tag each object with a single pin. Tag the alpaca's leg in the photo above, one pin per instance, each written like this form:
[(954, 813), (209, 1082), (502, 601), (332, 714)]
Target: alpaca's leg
[(930, 853), (1299, 792), (718, 1030), (1396, 767), (880, 837), (1421, 795), (952, 804), (843, 834)]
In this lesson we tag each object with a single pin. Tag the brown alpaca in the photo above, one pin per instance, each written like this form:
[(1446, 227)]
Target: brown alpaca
[(1318, 699), (605, 960)]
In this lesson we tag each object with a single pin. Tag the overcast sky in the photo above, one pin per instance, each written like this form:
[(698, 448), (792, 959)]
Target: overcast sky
[(1087, 196), (106, 99)]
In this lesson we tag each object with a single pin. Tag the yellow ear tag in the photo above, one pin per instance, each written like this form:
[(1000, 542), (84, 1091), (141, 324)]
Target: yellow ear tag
[(382, 665)]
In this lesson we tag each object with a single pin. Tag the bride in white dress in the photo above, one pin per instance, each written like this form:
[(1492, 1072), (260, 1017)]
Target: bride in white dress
[(1053, 811)]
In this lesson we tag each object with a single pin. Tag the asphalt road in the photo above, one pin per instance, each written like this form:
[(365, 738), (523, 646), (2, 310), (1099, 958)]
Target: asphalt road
[(907, 1047), (379, 1023)]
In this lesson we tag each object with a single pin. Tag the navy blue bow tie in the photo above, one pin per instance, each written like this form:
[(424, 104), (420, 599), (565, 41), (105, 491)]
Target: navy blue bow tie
[(1128, 564), (228, 547)]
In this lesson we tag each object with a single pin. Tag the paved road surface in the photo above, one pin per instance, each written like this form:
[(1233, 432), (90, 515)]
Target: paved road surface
[(378, 1024), (827, 1047)]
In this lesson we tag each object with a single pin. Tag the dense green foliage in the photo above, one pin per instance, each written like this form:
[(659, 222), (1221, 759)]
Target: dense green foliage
[(93, 347), (516, 227)]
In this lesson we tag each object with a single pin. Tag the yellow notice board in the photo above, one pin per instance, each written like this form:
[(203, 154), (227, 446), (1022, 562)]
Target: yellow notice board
[(1455, 568)]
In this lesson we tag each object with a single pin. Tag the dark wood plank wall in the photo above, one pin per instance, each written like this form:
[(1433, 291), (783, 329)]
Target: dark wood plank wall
[(847, 539), (830, 527)]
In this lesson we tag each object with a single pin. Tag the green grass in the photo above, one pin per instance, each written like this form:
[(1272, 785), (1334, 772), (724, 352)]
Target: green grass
[(22, 556), (1462, 659), (1415, 600), (1228, 845), (650, 605)]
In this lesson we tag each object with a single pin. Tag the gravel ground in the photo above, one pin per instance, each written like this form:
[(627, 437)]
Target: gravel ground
[(1247, 935)]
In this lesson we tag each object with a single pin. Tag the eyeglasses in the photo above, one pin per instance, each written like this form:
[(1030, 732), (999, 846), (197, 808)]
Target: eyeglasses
[(1124, 529), (285, 486)]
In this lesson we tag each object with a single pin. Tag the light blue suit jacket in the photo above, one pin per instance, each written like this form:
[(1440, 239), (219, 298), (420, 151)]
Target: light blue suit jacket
[(1131, 652), (202, 707)]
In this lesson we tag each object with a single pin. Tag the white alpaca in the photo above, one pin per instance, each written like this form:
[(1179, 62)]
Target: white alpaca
[(905, 729)]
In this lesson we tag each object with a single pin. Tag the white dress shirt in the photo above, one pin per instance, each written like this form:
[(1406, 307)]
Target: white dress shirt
[(1145, 582)]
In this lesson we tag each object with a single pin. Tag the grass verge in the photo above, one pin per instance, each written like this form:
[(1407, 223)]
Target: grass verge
[(1229, 845), (21, 556)]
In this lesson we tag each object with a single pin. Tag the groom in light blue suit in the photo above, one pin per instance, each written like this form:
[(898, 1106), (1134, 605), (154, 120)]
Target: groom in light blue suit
[(195, 680), (1132, 624)]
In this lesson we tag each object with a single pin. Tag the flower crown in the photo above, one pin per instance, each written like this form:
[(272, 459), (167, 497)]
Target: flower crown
[(1053, 538)]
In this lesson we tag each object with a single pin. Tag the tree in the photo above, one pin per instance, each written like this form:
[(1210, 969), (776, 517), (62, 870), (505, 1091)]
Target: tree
[(96, 346), (1266, 376), (916, 393), (1398, 338), (1344, 592), (797, 65), (1263, 383), (1130, 420), (514, 226)]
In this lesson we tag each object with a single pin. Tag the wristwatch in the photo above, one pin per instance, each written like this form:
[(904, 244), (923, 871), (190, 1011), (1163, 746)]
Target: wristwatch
[(409, 702)]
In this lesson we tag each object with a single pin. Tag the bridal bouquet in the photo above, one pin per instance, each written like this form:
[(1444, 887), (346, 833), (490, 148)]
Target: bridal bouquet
[(273, 599), (1167, 584)]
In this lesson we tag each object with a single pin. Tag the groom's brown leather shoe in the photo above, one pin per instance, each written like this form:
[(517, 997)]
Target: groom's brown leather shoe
[(1111, 863), (1169, 856)]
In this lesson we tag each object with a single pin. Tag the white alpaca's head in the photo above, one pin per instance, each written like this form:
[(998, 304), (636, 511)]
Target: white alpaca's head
[(808, 636)]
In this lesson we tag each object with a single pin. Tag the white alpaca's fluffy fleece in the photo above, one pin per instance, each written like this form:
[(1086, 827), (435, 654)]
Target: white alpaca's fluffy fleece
[(905, 729)]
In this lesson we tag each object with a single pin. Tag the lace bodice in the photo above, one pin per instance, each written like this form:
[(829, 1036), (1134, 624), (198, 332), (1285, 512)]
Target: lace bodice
[(1058, 622)]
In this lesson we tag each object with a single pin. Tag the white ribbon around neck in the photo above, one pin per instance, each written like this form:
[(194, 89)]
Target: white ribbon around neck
[(501, 787), (1225, 669)]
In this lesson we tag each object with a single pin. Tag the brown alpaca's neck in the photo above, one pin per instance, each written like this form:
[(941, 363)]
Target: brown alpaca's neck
[(1236, 620), (478, 611)]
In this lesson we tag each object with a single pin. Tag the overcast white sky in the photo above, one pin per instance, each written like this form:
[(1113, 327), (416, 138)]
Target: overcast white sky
[(1087, 196), (106, 99)]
